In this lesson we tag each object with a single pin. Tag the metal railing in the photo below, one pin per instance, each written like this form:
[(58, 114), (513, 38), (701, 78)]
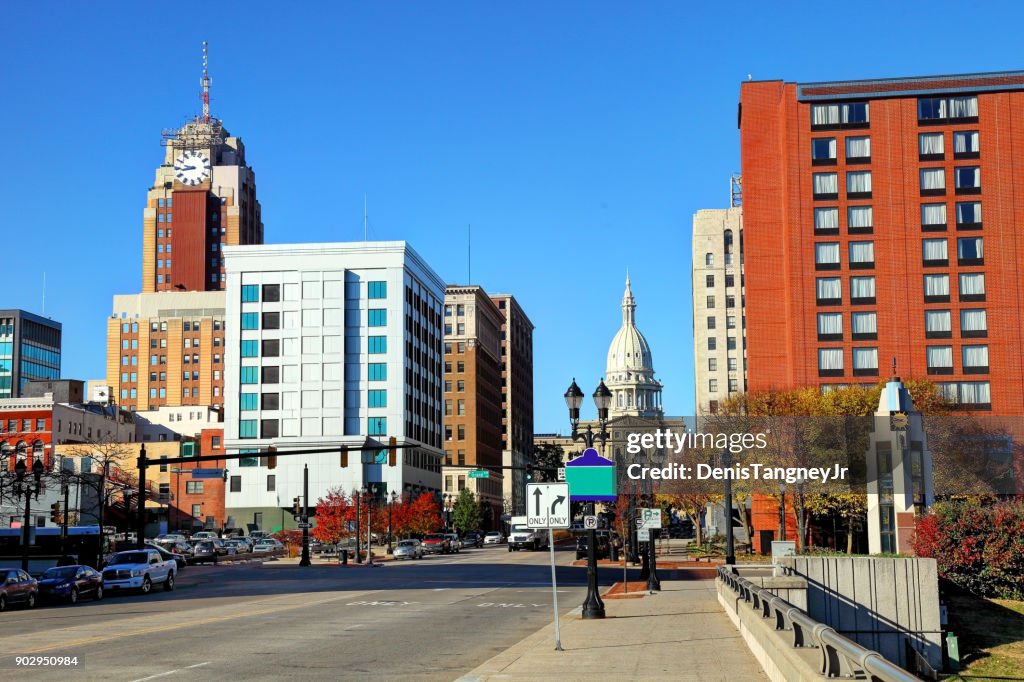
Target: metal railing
[(840, 656)]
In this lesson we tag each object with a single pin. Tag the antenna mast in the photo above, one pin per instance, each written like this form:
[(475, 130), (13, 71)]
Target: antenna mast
[(206, 88)]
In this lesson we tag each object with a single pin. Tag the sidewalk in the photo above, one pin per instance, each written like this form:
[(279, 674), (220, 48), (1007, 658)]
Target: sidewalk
[(680, 633)]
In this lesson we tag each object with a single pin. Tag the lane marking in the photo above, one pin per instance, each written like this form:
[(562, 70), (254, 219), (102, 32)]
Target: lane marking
[(171, 672)]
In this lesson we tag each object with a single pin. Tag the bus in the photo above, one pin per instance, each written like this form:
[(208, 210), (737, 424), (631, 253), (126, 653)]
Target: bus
[(85, 545)]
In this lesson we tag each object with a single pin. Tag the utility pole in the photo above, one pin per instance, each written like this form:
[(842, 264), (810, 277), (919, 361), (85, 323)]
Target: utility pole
[(305, 516)]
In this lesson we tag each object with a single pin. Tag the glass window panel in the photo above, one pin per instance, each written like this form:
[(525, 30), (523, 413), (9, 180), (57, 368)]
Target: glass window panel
[(937, 321), (830, 358), (860, 216), (864, 323), (826, 252), (933, 178), (931, 143), (933, 214)]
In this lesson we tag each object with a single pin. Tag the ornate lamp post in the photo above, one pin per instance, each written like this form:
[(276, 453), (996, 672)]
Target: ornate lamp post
[(28, 488), (593, 607)]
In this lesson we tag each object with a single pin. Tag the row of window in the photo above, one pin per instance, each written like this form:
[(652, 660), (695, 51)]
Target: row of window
[(860, 219), (730, 366), (460, 386), (730, 281), (934, 253), (734, 385), (730, 322), (966, 180), (132, 394), (938, 324), (330, 371), (730, 343), (931, 147), (26, 425), (270, 428), (930, 111), (186, 325), (168, 202), (311, 290), (974, 360), (829, 290)]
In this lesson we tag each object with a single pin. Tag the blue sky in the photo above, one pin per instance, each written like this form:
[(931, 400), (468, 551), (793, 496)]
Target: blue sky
[(577, 139)]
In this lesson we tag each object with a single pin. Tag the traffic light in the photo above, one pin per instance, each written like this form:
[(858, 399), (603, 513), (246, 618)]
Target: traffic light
[(529, 472), (344, 458), (392, 451), (55, 512), (298, 507), (271, 457)]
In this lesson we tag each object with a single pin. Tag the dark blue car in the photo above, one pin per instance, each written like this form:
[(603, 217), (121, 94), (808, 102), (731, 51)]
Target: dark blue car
[(70, 583)]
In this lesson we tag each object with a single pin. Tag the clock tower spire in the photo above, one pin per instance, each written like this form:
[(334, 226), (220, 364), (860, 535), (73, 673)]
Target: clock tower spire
[(206, 88)]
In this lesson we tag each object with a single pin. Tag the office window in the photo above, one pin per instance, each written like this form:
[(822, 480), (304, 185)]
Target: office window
[(712, 343), (270, 401), (461, 408), (460, 366), (712, 364), (194, 487), (271, 348), (730, 343), (250, 293), (937, 324), (271, 483), (970, 251), (271, 293), (972, 286), (826, 220), (250, 349), (936, 288), (830, 326), (966, 145), (935, 252), (250, 321), (730, 321), (823, 151), (462, 432), (377, 317), (977, 394), (272, 320), (862, 255), (249, 375), (377, 371), (967, 179), (712, 385), (858, 149), (865, 362), (975, 359), (711, 301), (377, 345), (825, 185), (270, 375), (830, 362), (730, 281), (968, 215), (937, 109), (709, 259), (377, 290), (973, 323), (711, 321), (826, 256), (850, 114), (862, 290), (709, 281), (268, 428), (448, 408), (247, 428), (236, 487), (940, 359), (933, 181), (864, 326), (731, 364), (730, 301), (860, 219), (377, 398), (933, 217), (858, 184), (931, 146), (248, 401), (734, 385), (829, 290)]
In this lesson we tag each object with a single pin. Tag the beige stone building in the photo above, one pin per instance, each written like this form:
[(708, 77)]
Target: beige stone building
[(719, 319)]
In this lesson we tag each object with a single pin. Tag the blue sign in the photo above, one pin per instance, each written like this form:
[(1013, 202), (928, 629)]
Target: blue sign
[(207, 473)]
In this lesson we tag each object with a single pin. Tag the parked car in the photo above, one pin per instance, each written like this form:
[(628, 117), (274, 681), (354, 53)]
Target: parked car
[(204, 552), (436, 543), (240, 546), (473, 538), (169, 537), (494, 537), (139, 569), (69, 583), (205, 535), (257, 535), (267, 545), (17, 587), (408, 549), (602, 549), (454, 543), (167, 555)]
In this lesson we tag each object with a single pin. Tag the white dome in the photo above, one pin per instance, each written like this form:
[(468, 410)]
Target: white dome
[(630, 371), (629, 349)]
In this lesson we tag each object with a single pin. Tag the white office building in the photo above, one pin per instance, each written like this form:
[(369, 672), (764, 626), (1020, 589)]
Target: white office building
[(330, 345)]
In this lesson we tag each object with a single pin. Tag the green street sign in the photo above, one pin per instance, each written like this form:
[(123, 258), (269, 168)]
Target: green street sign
[(480, 473)]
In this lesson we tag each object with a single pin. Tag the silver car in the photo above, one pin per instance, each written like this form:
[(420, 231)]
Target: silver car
[(408, 549)]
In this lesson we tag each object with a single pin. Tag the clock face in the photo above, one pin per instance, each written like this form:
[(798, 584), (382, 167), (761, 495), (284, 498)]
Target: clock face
[(192, 167)]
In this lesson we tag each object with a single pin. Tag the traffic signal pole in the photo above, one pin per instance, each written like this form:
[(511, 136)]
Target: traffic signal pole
[(305, 516)]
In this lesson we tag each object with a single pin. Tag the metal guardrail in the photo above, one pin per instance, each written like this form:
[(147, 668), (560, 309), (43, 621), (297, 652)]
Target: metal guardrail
[(840, 656)]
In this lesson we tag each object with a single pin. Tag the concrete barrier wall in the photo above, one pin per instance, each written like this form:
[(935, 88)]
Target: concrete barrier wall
[(877, 602)]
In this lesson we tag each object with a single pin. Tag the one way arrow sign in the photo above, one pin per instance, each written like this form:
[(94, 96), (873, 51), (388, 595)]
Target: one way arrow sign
[(548, 505)]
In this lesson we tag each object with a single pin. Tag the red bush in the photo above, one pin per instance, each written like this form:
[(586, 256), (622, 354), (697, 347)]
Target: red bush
[(977, 546)]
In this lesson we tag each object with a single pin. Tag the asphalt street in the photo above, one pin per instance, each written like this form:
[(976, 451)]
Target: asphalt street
[(433, 619)]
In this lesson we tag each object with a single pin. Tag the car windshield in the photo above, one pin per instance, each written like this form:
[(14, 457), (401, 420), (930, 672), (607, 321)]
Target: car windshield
[(64, 572), (494, 533), (130, 558), (434, 537), (407, 543)]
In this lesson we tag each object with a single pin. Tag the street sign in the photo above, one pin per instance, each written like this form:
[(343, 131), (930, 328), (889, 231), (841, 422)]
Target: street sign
[(305, 525), (207, 473), (561, 473), (479, 473), (547, 505), (590, 522), (643, 535), (650, 518), (591, 477)]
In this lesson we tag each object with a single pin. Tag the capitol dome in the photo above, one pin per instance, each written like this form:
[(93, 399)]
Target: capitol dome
[(629, 373)]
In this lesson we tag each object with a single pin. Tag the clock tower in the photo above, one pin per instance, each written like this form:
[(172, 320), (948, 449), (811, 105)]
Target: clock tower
[(203, 198)]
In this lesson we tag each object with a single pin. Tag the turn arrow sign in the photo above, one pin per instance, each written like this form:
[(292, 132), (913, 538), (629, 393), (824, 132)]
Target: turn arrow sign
[(537, 494), (558, 500)]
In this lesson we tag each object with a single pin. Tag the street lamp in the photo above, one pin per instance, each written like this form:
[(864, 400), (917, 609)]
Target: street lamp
[(357, 497), (391, 503), (593, 607), (730, 543), (28, 489), (782, 512)]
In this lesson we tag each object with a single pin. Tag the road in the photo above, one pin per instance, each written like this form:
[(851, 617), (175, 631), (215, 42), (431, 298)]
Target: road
[(434, 619)]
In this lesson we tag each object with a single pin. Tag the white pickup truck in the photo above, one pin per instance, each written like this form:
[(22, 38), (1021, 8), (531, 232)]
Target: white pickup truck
[(522, 537), (139, 569)]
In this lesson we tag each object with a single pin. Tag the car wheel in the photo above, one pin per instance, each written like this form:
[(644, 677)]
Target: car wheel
[(73, 597), (99, 593), (31, 600), (3, 602), (169, 583), (147, 585)]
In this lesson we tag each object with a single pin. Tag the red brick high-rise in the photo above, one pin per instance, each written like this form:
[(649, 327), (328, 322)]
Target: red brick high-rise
[(881, 222)]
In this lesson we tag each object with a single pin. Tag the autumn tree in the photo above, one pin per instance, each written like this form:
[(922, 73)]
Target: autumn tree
[(335, 515), (424, 515)]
